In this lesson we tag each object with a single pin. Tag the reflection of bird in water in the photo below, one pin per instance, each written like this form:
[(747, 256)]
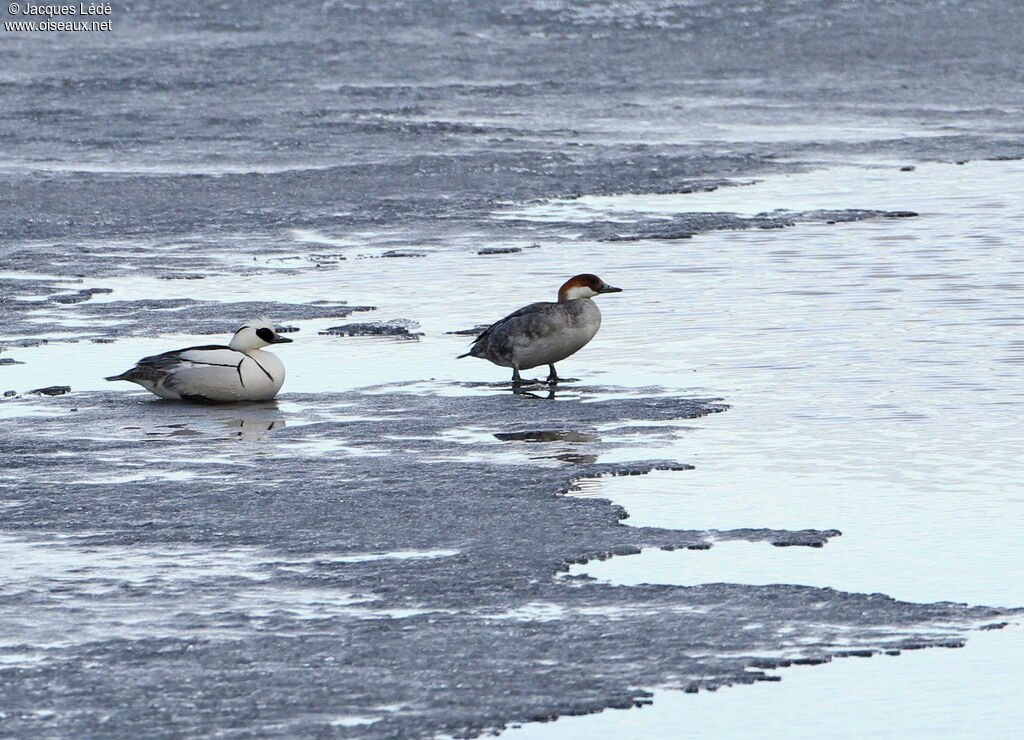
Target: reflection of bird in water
[(215, 373), (248, 423), (565, 454), (253, 430), (544, 333)]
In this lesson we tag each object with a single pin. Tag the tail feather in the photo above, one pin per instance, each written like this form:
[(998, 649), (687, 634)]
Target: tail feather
[(118, 377), (457, 358)]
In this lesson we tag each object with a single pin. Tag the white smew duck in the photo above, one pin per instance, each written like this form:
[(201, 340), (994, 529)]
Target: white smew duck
[(544, 333), (215, 373)]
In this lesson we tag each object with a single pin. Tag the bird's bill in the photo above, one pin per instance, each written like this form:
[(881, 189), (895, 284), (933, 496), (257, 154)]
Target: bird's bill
[(278, 339), (610, 289)]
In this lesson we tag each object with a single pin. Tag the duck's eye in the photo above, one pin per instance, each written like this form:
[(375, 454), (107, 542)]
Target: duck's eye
[(267, 335)]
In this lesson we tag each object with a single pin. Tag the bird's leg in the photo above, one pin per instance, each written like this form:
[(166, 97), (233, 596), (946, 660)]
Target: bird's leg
[(517, 382), (552, 375)]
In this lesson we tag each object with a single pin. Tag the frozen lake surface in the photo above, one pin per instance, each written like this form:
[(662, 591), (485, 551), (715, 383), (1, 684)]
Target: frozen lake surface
[(869, 372)]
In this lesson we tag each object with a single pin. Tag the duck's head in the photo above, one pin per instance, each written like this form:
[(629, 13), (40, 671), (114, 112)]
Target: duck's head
[(584, 286), (256, 334)]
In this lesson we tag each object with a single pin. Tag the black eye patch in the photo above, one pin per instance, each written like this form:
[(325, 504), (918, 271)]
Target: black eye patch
[(267, 335)]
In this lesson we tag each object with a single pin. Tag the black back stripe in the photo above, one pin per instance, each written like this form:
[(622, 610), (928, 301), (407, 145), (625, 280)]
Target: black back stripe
[(213, 364)]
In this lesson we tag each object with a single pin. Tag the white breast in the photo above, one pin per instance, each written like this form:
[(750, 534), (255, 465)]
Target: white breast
[(567, 333)]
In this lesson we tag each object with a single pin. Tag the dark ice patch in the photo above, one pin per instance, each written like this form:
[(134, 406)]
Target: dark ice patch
[(170, 315), (79, 296), (499, 250), (400, 328), (51, 390), (686, 225)]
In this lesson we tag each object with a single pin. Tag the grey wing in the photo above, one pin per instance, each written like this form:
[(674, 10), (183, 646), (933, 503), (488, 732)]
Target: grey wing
[(151, 369), (500, 338), (524, 311)]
